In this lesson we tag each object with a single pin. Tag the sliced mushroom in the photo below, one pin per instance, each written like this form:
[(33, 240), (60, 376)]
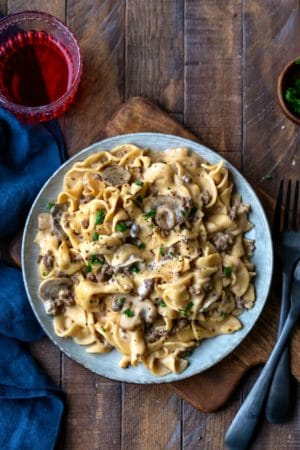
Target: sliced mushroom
[(168, 210), (57, 212), (115, 175), (51, 288), (56, 293), (145, 288), (50, 307), (165, 218), (142, 311), (148, 312), (45, 222), (51, 222)]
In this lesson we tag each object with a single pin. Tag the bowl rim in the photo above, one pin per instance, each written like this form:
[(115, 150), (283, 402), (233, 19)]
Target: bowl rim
[(290, 115), (31, 111), (119, 376)]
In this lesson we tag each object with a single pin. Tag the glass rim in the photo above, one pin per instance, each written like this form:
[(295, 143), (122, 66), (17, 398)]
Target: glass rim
[(14, 19)]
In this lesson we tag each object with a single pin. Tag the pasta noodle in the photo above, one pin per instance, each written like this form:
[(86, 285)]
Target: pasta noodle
[(146, 252)]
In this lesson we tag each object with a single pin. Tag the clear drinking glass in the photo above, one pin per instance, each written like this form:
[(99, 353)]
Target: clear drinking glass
[(40, 66)]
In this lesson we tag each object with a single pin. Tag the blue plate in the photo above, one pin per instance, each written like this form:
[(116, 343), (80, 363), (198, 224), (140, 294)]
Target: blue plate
[(210, 351)]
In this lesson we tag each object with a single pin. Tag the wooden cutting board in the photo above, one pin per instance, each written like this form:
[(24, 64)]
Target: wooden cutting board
[(211, 389)]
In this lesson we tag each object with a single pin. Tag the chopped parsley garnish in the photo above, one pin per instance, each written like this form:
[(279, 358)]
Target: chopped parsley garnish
[(139, 182), (93, 259), (88, 268), (227, 271), (183, 212), (100, 217), (292, 97), (297, 61), (152, 225), (187, 309), (45, 274), (142, 245), (139, 199), (225, 315), (187, 353), (128, 312), (150, 214), (95, 236), (50, 205), (162, 251), (160, 302), (134, 269), (121, 226), (121, 301)]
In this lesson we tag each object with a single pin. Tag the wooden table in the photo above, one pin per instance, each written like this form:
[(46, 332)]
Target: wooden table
[(213, 65)]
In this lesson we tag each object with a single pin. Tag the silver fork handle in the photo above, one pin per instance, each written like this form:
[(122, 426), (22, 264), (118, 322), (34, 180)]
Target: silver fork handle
[(278, 404), (240, 432)]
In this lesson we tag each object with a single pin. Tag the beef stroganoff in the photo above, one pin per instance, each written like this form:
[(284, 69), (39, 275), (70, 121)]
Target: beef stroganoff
[(145, 252)]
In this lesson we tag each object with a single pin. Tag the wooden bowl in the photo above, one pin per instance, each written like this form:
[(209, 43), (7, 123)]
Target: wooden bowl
[(287, 76)]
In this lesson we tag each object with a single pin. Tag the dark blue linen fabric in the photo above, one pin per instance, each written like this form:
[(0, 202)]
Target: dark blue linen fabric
[(30, 405)]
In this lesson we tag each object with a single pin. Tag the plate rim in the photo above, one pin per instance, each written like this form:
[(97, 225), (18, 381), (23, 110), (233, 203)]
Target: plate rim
[(184, 142)]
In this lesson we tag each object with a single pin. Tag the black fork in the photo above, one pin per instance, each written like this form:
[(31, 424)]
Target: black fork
[(242, 428), (287, 240)]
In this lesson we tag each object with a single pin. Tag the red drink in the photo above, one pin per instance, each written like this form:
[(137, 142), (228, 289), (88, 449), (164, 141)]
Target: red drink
[(34, 69), (40, 66)]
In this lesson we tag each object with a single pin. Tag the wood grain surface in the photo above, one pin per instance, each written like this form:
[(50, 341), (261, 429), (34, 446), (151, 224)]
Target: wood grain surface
[(212, 64)]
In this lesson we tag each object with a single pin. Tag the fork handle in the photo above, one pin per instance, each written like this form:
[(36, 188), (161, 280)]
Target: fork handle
[(240, 432), (278, 406)]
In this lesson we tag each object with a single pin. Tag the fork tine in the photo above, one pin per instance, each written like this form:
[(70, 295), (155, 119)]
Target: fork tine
[(287, 207), (295, 207), (277, 212)]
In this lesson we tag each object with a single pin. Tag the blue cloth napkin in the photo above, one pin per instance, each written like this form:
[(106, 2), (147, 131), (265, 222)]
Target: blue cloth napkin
[(30, 405)]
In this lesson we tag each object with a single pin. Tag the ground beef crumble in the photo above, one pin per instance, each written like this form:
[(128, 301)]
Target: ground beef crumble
[(223, 241)]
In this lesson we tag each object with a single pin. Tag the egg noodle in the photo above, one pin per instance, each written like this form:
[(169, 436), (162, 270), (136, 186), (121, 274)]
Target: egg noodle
[(144, 251)]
